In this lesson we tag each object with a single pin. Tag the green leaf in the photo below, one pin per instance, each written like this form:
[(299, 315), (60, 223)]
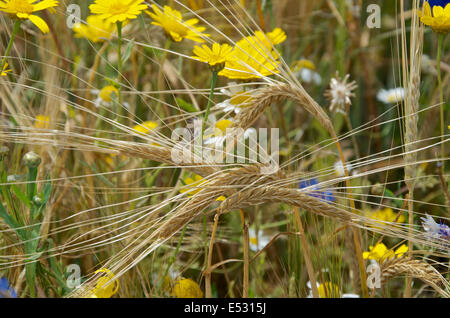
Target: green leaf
[(186, 106), (19, 194), (128, 50)]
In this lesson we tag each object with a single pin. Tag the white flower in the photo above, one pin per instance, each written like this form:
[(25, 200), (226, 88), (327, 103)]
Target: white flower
[(350, 296), (305, 70), (309, 76), (239, 98), (339, 168), (391, 96), (257, 241)]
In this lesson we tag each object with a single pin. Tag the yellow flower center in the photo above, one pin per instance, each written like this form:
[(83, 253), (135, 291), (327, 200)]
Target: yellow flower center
[(118, 8), (21, 6)]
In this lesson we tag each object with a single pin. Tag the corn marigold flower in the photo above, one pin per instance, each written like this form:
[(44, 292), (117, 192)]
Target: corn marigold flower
[(194, 185), (106, 93), (384, 216), (328, 290), (6, 291), (391, 96), (380, 252), (216, 56), (42, 122), (95, 29), (113, 11), (4, 70), (254, 56), (340, 94), (106, 286), (23, 9), (172, 22), (146, 127), (186, 288), (436, 14)]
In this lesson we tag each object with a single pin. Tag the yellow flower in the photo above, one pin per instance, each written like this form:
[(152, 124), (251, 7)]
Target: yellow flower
[(215, 57), (23, 9), (186, 288), (117, 10), (146, 127), (42, 122), (193, 186), (106, 92), (223, 124), (254, 56), (95, 29), (172, 22), (105, 288), (328, 290), (4, 71), (437, 17), (381, 253), (385, 215)]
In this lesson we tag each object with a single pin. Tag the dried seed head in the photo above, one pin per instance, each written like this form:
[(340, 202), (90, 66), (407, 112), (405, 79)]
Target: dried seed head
[(340, 93)]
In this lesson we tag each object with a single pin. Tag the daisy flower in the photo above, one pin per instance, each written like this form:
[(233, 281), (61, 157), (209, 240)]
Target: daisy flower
[(305, 70), (95, 29), (239, 98), (4, 70), (436, 14), (113, 11), (391, 96), (172, 22), (257, 240), (23, 10)]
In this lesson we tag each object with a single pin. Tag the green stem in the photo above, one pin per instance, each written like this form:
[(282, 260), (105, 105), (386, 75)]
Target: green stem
[(11, 41), (441, 92), (208, 107), (119, 67), (172, 259)]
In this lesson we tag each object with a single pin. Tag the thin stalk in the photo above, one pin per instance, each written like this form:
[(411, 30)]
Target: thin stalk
[(119, 68), (11, 41), (208, 293), (246, 262), (208, 107), (306, 255), (441, 93)]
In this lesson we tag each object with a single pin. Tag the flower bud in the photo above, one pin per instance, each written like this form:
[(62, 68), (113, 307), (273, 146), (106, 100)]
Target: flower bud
[(32, 159)]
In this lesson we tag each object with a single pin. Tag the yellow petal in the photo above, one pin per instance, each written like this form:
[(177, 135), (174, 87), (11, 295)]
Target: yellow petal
[(41, 24)]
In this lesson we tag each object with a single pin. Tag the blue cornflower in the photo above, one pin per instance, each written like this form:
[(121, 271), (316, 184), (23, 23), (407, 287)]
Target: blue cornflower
[(435, 230), (326, 195), (6, 291)]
